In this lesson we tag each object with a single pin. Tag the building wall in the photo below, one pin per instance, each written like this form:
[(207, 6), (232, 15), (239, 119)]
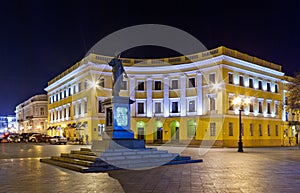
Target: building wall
[(32, 115), (185, 102)]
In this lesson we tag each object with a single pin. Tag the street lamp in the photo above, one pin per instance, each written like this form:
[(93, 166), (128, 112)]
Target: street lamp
[(240, 102)]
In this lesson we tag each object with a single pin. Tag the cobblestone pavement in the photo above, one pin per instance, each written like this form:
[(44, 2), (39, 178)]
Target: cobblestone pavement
[(223, 170)]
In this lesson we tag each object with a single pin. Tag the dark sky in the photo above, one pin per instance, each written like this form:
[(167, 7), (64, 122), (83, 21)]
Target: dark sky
[(40, 39)]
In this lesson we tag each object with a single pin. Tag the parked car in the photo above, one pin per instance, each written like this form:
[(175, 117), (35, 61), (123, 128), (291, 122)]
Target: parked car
[(14, 138), (40, 138), (58, 140), (25, 136)]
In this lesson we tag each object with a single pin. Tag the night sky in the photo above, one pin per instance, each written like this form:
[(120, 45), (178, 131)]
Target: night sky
[(40, 39)]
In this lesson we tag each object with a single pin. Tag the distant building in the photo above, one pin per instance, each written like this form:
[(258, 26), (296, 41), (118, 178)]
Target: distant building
[(185, 99), (8, 124), (32, 115)]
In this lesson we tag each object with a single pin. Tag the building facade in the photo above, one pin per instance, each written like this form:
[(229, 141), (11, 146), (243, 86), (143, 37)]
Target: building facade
[(32, 115), (186, 99)]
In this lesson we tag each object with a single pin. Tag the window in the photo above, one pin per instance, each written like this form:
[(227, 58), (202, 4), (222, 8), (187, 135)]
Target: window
[(269, 108), (276, 130), (101, 82), (212, 104), (260, 85), (174, 84), (251, 107), (157, 85), (230, 78), (269, 130), (69, 90), (79, 108), (230, 129), (251, 83), (79, 86), (276, 88), (141, 108), (212, 129), (85, 84), (251, 129), (192, 106), (42, 111), (260, 130), (276, 109), (85, 106), (157, 107), (260, 106), (191, 129), (141, 86), (192, 82), (74, 109), (124, 85), (212, 78), (175, 108), (230, 101), (100, 107), (268, 86), (74, 89), (65, 112), (242, 81)]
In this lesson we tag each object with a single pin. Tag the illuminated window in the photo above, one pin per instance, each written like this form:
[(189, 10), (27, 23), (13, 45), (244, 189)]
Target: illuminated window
[(100, 106), (230, 129), (230, 103), (251, 109), (42, 111)]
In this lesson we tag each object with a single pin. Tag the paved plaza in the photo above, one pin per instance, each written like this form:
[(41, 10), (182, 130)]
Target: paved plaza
[(222, 170)]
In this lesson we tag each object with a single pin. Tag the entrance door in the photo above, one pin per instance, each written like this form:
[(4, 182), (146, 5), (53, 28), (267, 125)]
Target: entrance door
[(141, 133), (159, 134)]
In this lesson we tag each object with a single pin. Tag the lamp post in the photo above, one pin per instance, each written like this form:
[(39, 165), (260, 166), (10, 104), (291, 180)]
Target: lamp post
[(240, 103)]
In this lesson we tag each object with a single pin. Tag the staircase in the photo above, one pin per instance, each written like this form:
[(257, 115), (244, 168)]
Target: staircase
[(85, 160)]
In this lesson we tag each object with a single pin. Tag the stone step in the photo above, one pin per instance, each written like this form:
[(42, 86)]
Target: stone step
[(85, 149), (83, 152), (73, 161), (69, 166), (81, 157)]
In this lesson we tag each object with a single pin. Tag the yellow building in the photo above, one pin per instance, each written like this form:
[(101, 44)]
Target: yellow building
[(186, 99)]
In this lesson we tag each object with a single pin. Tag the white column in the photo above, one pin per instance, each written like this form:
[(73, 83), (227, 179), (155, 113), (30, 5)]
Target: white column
[(183, 95), (149, 97), (67, 112), (132, 94), (199, 94), (166, 97), (63, 113)]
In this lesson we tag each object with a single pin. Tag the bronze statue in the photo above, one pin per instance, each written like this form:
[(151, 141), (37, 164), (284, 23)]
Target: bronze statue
[(117, 70)]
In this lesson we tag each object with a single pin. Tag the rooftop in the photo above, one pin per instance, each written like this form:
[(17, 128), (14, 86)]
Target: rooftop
[(100, 59)]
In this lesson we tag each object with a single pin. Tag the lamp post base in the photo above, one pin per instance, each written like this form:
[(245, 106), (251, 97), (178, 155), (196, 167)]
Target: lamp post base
[(240, 146)]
